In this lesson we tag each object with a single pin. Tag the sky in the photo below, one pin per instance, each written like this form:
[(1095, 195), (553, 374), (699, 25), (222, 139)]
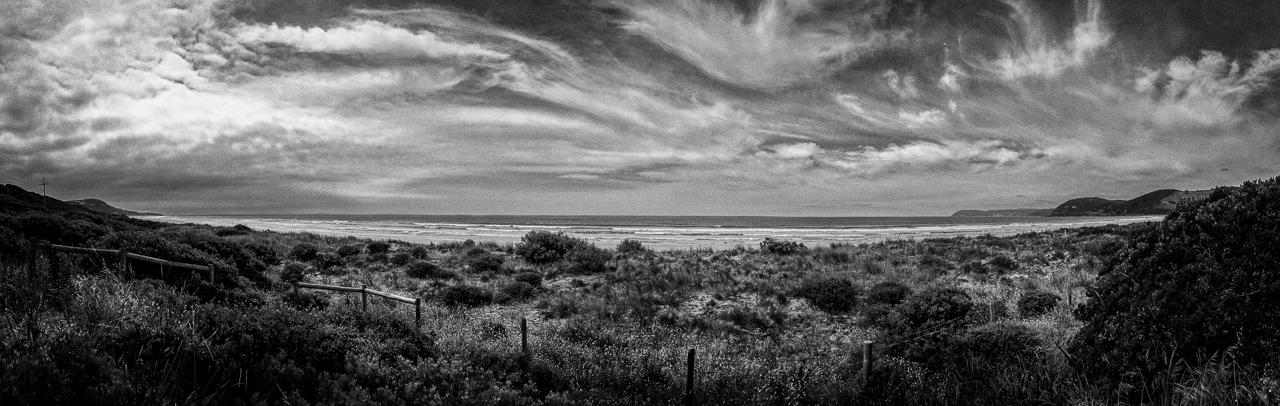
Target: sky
[(645, 107)]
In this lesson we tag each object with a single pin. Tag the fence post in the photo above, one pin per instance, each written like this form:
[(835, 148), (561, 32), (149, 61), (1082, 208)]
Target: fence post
[(210, 265), (868, 359), (417, 313), (1069, 304), (124, 264), (524, 336), (31, 261), (689, 398), (364, 298), (295, 289)]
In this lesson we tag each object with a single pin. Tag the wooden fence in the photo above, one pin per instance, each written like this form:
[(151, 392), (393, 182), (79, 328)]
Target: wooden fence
[(122, 257), (364, 297)]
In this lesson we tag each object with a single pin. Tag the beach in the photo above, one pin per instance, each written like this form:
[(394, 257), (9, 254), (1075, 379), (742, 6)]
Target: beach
[(662, 233)]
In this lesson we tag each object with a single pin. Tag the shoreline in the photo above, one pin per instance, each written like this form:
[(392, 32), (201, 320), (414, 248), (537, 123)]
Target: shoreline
[(664, 237)]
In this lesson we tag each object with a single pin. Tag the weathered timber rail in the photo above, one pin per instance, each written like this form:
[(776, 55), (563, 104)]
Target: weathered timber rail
[(123, 257), (364, 297)]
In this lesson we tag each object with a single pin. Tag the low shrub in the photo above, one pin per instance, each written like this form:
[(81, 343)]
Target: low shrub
[(484, 263), (305, 301), (292, 272), (888, 292), (326, 260), (559, 307), (348, 251), (400, 258), (424, 269), (304, 252), (378, 247), (1002, 264), (515, 291), (419, 252), (467, 295), (630, 246), (998, 343), (831, 295), (781, 247), (531, 278), (587, 259), (1036, 303), (975, 268), (545, 247)]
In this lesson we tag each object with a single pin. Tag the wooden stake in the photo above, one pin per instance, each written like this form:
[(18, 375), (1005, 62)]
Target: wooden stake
[(124, 264), (364, 298), (524, 336), (867, 360), (689, 398), (417, 313)]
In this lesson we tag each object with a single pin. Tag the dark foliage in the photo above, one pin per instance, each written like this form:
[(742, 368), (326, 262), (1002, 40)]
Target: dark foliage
[(831, 295), (467, 295), (587, 259), (780, 247), (630, 246), (348, 251), (1205, 280), (1036, 303), (400, 258), (888, 292), (304, 252), (926, 324), (531, 278), (1002, 264), (424, 269), (545, 247), (484, 262), (515, 291), (378, 247)]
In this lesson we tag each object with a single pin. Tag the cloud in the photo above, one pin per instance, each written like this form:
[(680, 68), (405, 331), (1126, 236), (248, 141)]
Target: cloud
[(780, 45), (365, 37)]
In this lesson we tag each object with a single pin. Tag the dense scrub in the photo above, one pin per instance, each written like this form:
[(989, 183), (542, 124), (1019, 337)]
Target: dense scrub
[(980, 320), (1201, 286)]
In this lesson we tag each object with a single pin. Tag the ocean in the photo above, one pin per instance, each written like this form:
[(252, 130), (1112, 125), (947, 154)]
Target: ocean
[(657, 232)]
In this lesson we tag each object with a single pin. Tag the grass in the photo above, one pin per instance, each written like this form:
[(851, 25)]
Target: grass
[(617, 336)]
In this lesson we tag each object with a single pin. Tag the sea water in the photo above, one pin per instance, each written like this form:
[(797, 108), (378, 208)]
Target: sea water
[(657, 232)]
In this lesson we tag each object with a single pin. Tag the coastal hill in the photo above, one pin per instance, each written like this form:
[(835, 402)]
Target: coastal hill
[(1155, 203), (1159, 202), (103, 207), (15, 199)]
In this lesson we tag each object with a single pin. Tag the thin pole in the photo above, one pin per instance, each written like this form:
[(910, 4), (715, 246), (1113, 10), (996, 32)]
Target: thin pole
[(867, 359), (524, 336), (44, 189), (210, 265), (688, 382), (417, 313), (31, 261), (364, 298), (295, 289)]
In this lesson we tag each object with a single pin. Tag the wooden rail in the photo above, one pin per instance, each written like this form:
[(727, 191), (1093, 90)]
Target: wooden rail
[(123, 256), (364, 297)]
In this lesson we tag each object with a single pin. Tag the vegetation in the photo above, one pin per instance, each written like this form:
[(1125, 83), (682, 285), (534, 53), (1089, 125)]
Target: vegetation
[(1180, 312)]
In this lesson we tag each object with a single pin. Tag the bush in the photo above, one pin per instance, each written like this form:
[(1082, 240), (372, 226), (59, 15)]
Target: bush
[(348, 251), (587, 259), (780, 247), (531, 278), (831, 295), (484, 263), (378, 247), (424, 269), (516, 291), (467, 295), (888, 292), (1002, 264), (630, 246), (975, 268), (400, 258), (998, 343), (326, 260), (935, 306), (1205, 280), (1036, 303), (545, 247), (304, 252), (419, 252), (292, 272), (305, 301)]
